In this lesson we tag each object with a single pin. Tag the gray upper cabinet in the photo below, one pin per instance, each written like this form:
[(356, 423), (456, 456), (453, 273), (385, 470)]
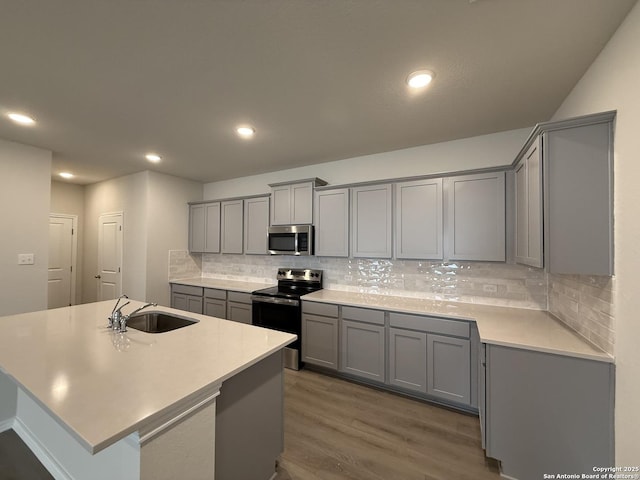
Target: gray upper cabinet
[(528, 194), (418, 219), (204, 227), (371, 221), (579, 199), (292, 202), (475, 217), (256, 225), (232, 226), (332, 223)]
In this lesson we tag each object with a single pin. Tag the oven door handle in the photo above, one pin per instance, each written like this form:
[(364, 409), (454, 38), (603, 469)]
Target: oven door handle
[(276, 300)]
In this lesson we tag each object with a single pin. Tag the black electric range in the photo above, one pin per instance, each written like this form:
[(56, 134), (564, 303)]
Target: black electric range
[(279, 307)]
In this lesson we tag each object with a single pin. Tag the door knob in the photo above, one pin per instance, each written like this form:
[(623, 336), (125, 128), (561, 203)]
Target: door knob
[(97, 276)]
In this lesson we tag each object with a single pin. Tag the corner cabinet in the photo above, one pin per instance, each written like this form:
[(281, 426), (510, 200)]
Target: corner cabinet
[(256, 225), (371, 226), (475, 217), (418, 219), (292, 202), (331, 213), (204, 227)]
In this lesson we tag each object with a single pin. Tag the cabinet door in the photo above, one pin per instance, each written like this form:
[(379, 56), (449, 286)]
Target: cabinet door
[(449, 368), (212, 233), (475, 227), (408, 359), (579, 200), (281, 205), (302, 203), (256, 225), (371, 221), (239, 312), (320, 341), (418, 219), (362, 351), (197, 226), (332, 223), (179, 301), (232, 238), (529, 208), (215, 307)]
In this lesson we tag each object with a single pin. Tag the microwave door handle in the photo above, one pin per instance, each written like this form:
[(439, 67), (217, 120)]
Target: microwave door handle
[(295, 243)]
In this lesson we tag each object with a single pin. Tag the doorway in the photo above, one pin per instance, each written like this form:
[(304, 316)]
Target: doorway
[(110, 237), (63, 248)]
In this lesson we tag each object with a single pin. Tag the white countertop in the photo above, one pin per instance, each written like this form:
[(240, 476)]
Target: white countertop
[(233, 285), (511, 327), (102, 385)]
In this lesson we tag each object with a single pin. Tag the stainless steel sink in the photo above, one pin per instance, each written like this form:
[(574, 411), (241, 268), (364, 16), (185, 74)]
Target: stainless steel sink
[(158, 322)]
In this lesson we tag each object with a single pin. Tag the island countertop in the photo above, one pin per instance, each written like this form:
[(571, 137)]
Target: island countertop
[(102, 386), (507, 326)]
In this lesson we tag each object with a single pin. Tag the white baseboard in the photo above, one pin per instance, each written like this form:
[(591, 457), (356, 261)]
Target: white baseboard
[(40, 451), (6, 424)]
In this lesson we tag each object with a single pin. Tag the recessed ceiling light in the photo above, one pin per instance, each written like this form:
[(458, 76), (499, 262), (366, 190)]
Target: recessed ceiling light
[(66, 175), (153, 157), (245, 131), (21, 118), (420, 79)]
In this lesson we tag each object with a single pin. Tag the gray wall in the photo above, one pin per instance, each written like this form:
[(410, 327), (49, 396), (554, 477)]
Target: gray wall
[(24, 196)]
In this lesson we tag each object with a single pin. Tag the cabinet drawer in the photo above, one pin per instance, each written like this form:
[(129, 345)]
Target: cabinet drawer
[(430, 324), (239, 297), (215, 293), (363, 315), (186, 289), (324, 309)]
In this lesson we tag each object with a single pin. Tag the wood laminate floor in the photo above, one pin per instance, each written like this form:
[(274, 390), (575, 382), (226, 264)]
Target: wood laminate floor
[(335, 429)]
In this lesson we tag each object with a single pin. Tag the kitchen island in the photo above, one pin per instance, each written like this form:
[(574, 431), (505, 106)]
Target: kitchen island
[(93, 403)]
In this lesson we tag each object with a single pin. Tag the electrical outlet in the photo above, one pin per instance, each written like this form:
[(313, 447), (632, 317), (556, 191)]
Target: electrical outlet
[(25, 259), (490, 288)]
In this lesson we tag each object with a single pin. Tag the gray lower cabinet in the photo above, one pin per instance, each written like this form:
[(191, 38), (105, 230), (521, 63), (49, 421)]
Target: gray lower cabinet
[(362, 345), (564, 404), (239, 308), (320, 341), (187, 298), (449, 368), (408, 359), (215, 302)]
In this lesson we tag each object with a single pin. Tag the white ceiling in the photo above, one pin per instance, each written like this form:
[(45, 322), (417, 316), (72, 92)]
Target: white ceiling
[(321, 80)]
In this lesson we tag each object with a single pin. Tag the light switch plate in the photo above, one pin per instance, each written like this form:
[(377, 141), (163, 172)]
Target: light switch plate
[(25, 259)]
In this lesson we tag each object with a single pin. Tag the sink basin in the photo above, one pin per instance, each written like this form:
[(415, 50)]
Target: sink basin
[(158, 322)]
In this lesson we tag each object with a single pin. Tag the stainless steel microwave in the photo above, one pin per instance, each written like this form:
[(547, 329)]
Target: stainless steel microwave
[(291, 240)]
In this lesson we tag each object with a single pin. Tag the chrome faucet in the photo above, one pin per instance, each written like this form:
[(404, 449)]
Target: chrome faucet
[(122, 326), (114, 318)]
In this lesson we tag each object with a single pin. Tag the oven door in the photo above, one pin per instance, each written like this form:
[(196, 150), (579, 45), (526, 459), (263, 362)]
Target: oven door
[(280, 314)]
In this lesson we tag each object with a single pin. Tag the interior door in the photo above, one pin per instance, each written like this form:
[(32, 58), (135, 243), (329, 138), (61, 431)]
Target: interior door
[(60, 262), (109, 256)]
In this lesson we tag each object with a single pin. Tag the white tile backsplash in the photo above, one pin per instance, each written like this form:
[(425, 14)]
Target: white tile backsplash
[(470, 282), (585, 304)]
